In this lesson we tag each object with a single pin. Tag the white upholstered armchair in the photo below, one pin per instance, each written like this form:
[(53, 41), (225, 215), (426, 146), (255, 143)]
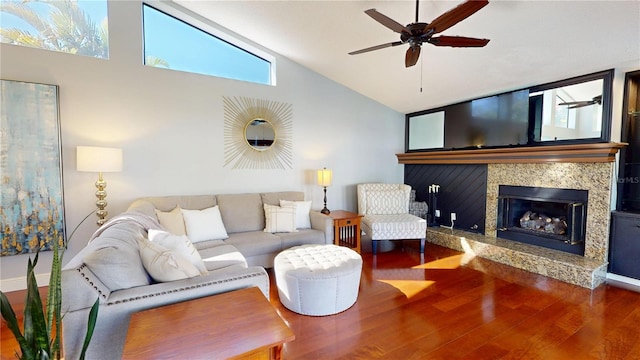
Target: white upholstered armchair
[(385, 210)]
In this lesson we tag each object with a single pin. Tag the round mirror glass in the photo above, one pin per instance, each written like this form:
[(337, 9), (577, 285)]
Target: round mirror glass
[(260, 134)]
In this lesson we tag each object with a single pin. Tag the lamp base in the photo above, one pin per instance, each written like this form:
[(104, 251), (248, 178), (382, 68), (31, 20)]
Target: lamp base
[(325, 210), (101, 203)]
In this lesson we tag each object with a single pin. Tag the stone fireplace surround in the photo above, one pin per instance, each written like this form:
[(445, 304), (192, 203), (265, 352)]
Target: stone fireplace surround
[(591, 173)]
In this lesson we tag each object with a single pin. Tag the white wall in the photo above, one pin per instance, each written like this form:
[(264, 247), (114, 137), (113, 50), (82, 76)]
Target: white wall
[(170, 127)]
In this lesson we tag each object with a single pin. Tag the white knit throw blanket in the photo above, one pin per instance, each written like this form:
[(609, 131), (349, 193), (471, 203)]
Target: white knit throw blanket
[(144, 221)]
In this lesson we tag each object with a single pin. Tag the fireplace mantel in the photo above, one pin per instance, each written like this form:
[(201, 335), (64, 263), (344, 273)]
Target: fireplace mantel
[(577, 153)]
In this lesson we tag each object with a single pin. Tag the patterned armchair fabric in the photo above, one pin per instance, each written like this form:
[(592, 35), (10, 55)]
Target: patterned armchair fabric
[(385, 208), (417, 208)]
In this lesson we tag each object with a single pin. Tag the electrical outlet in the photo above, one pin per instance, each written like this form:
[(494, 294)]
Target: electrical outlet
[(437, 213), (453, 217)]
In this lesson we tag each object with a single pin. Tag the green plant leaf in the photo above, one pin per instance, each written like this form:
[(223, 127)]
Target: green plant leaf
[(54, 303), (91, 324), (12, 322), (35, 326)]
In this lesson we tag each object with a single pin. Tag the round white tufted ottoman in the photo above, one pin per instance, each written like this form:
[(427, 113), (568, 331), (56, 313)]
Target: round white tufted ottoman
[(318, 280)]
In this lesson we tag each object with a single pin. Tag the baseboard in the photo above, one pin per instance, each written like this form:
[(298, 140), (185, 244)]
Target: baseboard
[(624, 282), (20, 283)]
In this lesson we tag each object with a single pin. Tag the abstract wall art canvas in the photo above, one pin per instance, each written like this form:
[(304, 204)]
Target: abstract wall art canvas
[(31, 199)]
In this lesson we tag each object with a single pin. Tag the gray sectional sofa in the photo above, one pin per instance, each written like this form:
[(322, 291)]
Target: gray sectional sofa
[(110, 268)]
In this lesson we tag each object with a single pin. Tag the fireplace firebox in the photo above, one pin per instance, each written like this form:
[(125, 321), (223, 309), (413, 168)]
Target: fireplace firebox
[(549, 217)]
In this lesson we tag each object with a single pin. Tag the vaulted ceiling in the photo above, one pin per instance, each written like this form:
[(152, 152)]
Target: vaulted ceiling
[(532, 42)]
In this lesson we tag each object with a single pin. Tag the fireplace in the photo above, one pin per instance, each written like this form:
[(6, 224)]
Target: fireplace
[(548, 217)]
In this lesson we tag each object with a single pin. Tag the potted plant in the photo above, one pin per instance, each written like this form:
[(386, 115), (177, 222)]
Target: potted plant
[(43, 327)]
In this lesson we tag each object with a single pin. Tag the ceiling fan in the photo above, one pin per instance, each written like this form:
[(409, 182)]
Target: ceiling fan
[(418, 33), (579, 104)]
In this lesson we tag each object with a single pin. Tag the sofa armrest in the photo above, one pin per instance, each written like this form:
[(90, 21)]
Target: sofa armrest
[(80, 288), (324, 223)]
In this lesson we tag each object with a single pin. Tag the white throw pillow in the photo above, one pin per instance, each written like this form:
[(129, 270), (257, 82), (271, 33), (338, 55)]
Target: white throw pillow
[(391, 202), (172, 220), (204, 224), (181, 245), (302, 212), (279, 218), (162, 264)]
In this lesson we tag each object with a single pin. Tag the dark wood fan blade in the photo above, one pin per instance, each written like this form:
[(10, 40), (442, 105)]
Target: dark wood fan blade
[(411, 58), (377, 47), (457, 41), (455, 15), (386, 21)]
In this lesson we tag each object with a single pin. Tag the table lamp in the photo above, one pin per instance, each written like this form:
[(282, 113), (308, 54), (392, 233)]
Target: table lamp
[(100, 160), (324, 180)]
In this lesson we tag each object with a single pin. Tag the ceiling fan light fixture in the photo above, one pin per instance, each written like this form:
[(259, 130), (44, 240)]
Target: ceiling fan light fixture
[(412, 55)]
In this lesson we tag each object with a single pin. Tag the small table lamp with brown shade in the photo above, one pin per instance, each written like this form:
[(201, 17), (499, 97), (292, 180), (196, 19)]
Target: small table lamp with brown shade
[(99, 159), (324, 180)]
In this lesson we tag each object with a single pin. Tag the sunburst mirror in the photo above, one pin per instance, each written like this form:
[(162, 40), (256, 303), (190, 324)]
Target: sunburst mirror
[(257, 133)]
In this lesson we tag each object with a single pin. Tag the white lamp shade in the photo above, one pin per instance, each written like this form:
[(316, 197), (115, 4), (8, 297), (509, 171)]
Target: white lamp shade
[(99, 159), (324, 177)]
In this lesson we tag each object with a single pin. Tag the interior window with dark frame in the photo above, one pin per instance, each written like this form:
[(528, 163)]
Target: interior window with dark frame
[(174, 44), (570, 111)]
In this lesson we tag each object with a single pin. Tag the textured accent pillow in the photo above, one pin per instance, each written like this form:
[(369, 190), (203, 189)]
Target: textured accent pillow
[(172, 220), (391, 202), (181, 245), (117, 266), (302, 212), (279, 218), (204, 224), (163, 265)]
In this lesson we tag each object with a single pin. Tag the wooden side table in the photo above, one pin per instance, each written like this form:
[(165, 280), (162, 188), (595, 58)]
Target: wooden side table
[(240, 324), (346, 229)]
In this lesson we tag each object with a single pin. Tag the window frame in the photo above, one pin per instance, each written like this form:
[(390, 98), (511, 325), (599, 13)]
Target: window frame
[(201, 23)]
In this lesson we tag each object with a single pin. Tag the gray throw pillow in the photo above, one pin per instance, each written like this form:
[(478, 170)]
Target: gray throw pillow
[(117, 266)]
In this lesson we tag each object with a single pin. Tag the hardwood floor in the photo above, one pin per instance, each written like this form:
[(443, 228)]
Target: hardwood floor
[(450, 306)]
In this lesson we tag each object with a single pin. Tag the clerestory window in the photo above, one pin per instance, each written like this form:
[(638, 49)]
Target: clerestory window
[(176, 41), (73, 26)]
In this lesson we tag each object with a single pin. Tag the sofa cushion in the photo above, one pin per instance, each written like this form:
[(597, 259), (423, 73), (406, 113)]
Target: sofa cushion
[(204, 224), (179, 244), (191, 202), (241, 212), (279, 218), (164, 265), (302, 237), (252, 243), (273, 198), (172, 220), (222, 256)]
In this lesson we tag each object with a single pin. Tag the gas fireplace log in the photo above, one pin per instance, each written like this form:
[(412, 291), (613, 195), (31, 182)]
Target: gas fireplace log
[(541, 222)]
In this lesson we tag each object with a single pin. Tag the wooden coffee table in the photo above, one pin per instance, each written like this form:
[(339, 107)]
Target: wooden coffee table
[(239, 324)]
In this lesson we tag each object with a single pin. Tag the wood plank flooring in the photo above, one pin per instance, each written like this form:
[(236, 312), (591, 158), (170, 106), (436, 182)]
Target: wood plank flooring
[(448, 305), (451, 306)]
